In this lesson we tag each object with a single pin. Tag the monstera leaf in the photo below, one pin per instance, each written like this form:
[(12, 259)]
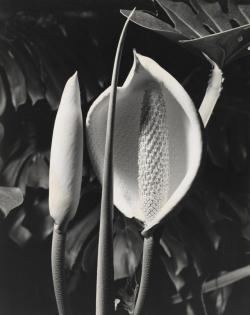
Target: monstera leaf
[(37, 56), (10, 198), (220, 29)]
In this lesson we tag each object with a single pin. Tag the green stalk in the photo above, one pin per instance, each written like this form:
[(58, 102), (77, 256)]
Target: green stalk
[(146, 274), (58, 273), (105, 267)]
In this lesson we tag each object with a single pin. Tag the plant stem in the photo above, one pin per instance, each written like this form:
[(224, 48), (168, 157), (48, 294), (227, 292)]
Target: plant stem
[(105, 267), (222, 281), (58, 274), (146, 274)]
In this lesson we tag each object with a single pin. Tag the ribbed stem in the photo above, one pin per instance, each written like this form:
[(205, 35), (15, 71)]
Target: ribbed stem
[(58, 274), (147, 260), (105, 270), (105, 267)]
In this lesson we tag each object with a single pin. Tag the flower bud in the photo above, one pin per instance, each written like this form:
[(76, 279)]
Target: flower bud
[(66, 155)]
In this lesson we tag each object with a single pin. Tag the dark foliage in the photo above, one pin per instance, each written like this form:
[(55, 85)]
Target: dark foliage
[(207, 235)]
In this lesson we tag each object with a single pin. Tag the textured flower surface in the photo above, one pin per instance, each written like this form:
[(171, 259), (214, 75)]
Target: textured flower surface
[(158, 143)]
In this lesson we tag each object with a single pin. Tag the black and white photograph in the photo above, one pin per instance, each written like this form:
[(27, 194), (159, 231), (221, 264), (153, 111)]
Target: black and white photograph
[(125, 157)]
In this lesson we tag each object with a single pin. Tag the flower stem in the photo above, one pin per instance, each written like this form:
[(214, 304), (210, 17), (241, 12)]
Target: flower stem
[(58, 274), (220, 282), (146, 274), (105, 267)]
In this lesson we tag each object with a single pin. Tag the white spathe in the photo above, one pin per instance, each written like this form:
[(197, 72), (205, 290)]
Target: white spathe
[(184, 140), (66, 157)]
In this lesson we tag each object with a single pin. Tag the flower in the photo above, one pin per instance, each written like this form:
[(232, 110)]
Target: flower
[(157, 142), (66, 155)]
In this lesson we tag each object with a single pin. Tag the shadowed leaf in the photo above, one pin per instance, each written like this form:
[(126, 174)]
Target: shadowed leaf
[(26, 169), (78, 235), (36, 172), (19, 233), (221, 32), (170, 266), (35, 87), (176, 251), (15, 76), (37, 220), (13, 168), (10, 198), (127, 296), (89, 257), (128, 247), (3, 96)]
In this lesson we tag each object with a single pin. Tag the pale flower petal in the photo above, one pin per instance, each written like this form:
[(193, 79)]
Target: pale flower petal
[(153, 112), (66, 155)]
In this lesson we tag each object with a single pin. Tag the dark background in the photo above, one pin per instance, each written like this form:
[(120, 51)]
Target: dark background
[(215, 210)]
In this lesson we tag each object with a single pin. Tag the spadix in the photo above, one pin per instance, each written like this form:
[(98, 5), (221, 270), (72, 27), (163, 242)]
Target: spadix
[(157, 142)]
